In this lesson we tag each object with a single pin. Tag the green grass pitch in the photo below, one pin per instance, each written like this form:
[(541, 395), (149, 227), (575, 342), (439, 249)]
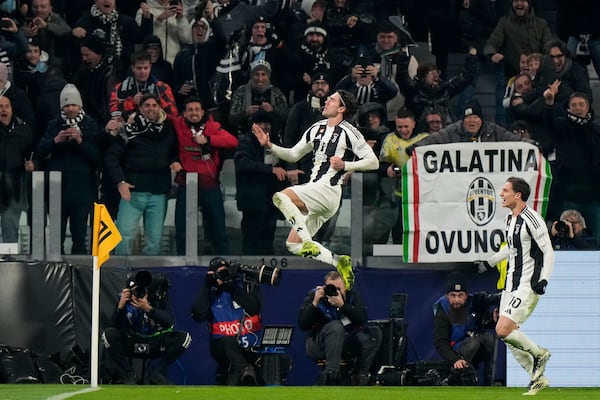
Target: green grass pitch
[(62, 392)]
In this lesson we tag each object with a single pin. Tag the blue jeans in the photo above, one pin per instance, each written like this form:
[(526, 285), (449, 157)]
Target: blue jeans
[(594, 47), (213, 213), (152, 207)]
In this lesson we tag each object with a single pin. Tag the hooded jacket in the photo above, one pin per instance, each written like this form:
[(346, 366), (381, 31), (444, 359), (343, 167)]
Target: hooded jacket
[(514, 35)]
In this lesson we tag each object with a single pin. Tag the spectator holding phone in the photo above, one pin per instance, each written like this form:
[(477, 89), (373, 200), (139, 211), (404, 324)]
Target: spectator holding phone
[(70, 145)]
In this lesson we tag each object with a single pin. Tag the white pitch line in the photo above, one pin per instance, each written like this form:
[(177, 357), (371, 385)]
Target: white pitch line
[(71, 394)]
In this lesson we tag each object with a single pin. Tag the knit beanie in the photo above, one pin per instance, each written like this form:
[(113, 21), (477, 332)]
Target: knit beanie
[(473, 108), (315, 27), (95, 43), (70, 95), (260, 64)]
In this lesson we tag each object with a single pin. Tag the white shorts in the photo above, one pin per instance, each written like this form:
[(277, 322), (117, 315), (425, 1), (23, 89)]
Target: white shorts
[(518, 305), (322, 202)]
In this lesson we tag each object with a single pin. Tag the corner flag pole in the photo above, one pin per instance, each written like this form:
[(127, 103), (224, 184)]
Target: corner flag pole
[(95, 323), (105, 237)]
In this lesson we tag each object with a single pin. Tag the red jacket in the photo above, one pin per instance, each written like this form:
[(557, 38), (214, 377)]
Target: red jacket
[(191, 155), (121, 99)]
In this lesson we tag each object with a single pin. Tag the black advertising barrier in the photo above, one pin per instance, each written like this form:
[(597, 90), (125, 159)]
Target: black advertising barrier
[(46, 307)]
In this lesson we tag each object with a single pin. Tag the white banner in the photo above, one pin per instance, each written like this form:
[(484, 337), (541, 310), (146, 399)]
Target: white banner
[(450, 192)]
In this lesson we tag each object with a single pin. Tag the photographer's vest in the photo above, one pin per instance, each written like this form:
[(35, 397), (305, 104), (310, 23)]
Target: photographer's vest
[(230, 319), (141, 323), (459, 331)]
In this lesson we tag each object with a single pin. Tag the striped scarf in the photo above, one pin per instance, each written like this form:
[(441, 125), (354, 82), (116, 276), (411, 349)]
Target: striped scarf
[(111, 19)]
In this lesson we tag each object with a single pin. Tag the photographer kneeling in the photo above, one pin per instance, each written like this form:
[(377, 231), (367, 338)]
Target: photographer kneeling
[(459, 334), (142, 325), (571, 233), (228, 304), (336, 322)]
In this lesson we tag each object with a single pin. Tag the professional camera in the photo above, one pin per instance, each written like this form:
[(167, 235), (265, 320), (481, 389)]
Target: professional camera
[(224, 275), (259, 274), (139, 283), (562, 229), (330, 290)]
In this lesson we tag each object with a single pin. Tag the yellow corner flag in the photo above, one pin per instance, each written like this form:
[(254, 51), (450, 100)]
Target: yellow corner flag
[(105, 234)]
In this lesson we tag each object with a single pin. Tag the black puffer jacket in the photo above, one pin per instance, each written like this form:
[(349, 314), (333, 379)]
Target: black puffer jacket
[(144, 160)]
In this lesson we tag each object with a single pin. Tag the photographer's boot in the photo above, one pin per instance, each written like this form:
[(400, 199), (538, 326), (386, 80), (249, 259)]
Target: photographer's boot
[(248, 376)]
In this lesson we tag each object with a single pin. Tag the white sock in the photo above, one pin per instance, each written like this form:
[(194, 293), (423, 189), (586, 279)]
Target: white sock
[(294, 247), (292, 214), (326, 256), (524, 359), (521, 341)]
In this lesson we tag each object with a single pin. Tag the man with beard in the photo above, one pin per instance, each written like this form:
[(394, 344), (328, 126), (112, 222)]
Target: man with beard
[(265, 44), (303, 114), (70, 146), (201, 140), (315, 56), (15, 146), (257, 94), (140, 160), (459, 333)]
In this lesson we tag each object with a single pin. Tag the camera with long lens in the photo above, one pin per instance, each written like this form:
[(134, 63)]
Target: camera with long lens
[(224, 275), (262, 274), (562, 229), (139, 283)]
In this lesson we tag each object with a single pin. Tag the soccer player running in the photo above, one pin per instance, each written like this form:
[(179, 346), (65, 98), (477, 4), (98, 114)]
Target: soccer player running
[(530, 264), (338, 148)]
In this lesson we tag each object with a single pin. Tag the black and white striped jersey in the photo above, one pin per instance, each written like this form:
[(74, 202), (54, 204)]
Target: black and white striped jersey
[(342, 140), (530, 253)]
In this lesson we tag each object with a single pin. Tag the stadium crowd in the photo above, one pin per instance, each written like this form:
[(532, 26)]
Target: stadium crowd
[(124, 97)]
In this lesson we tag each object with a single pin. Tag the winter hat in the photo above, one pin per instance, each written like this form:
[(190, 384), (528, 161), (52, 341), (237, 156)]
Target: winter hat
[(260, 64), (151, 41), (456, 285), (95, 43), (473, 108), (386, 27), (320, 76), (307, 5), (3, 72), (315, 27), (70, 95)]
